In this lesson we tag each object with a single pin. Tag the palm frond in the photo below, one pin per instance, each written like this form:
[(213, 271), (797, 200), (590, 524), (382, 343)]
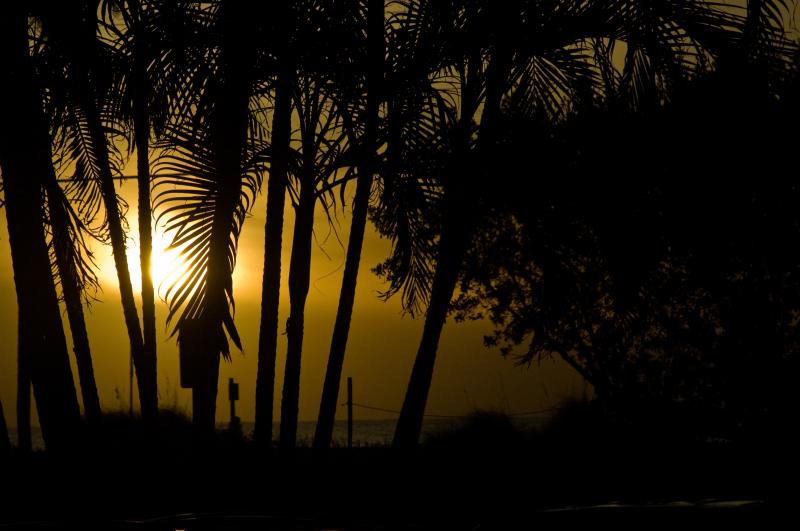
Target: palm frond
[(189, 193)]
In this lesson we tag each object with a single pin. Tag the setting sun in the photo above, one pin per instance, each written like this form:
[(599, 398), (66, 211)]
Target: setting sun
[(165, 263)]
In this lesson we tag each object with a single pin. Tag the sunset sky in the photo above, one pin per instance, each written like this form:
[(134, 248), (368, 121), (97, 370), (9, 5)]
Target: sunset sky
[(380, 353)]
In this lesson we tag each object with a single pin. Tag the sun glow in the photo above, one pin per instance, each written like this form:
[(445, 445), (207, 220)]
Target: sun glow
[(165, 264)]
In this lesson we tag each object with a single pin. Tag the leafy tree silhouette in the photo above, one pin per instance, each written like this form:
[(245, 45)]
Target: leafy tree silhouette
[(662, 291)]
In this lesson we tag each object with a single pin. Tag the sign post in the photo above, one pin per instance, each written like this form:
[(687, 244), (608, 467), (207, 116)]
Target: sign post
[(349, 411)]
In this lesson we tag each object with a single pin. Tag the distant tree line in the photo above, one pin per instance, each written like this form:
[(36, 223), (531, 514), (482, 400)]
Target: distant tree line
[(605, 179)]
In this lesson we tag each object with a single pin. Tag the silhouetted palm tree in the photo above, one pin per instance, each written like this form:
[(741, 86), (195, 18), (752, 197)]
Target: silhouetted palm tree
[(214, 160), (319, 158), (25, 161), (364, 98), (136, 35), (281, 132), (73, 47), (540, 59), (470, 69), (75, 270)]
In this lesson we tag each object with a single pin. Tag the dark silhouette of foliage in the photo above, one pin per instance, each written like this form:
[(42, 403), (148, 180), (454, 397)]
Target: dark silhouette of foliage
[(672, 291)]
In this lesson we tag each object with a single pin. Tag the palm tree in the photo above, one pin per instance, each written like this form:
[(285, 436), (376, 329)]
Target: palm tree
[(373, 76), (25, 162), (213, 163), (542, 60), (322, 144), (70, 30), (475, 71), (75, 270), (135, 42), (273, 230)]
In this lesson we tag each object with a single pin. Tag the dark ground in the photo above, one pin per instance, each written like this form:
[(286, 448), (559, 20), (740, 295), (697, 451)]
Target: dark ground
[(485, 476)]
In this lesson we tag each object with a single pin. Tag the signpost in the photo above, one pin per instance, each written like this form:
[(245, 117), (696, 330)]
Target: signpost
[(349, 411), (233, 396)]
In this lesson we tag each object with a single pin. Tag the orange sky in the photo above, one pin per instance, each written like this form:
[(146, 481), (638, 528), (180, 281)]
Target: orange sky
[(380, 352)]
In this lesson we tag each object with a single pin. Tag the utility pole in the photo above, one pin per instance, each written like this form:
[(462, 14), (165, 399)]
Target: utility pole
[(349, 411)]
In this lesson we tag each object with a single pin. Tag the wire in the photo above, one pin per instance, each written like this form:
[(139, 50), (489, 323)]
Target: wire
[(521, 414)]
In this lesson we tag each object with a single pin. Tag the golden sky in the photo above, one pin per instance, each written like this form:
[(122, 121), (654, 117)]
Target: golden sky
[(380, 352)]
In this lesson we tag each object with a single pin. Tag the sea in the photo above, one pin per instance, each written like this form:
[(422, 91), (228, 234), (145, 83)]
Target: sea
[(366, 433)]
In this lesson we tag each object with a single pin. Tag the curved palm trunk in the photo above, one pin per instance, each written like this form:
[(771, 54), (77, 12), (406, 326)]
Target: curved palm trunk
[(63, 245), (299, 281), (273, 242), (341, 329), (145, 368), (24, 157), (451, 252), (458, 224)]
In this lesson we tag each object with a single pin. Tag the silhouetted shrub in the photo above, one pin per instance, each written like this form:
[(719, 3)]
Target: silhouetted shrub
[(482, 431)]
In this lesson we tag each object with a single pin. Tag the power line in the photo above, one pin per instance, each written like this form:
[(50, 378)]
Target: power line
[(520, 414)]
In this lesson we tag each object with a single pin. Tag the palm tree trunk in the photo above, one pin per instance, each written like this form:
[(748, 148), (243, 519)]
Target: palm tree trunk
[(299, 281), (62, 243), (323, 432), (145, 369), (141, 128), (271, 282), (330, 391), (451, 252), (24, 157)]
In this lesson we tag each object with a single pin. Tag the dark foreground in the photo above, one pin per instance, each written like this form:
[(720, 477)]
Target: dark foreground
[(490, 479)]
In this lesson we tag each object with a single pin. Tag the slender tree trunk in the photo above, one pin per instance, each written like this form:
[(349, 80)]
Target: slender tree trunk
[(141, 128), (299, 281), (451, 253), (458, 225), (24, 158), (148, 393), (341, 329), (63, 245), (271, 282)]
